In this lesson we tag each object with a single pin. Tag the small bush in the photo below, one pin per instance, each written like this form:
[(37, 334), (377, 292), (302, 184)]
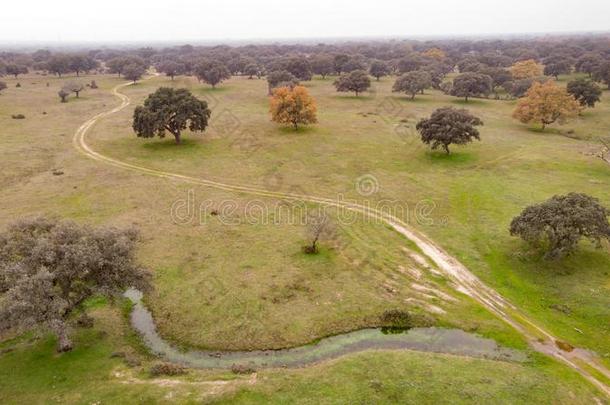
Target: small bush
[(18, 116), (93, 84), (242, 369), (170, 369), (18, 85), (397, 318)]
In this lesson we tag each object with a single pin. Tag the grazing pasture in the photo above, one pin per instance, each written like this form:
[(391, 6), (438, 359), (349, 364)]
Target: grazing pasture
[(230, 273)]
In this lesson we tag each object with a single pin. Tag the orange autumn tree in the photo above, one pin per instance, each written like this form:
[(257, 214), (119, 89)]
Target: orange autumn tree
[(546, 103), (293, 106), (524, 69), (434, 53)]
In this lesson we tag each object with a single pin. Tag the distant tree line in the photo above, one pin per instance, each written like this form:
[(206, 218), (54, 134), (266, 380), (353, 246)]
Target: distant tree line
[(521, 58)]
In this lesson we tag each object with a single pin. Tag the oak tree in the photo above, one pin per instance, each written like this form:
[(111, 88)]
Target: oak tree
[(280, 78), (293, 105), (546, 103), (471, 84), (73, 87), (602, 73), (49, 267), (525, 69), (322, 65), (170, 68), (379, 69), (558, 224), (134, 72), (15, 69), (412, 83), (356, 81), (172, 110), (586, 92), (448, 126), (212, 72)]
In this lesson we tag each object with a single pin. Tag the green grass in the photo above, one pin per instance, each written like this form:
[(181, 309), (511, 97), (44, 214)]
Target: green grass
[(477, 189), (408, 377), (247, 286)]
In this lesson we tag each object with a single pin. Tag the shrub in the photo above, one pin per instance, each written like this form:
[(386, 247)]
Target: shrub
[(169, 369), (18, 116), (396, 318), (242, 369)]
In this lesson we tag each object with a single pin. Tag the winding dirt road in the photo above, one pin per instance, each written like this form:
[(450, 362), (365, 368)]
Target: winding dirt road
[(464, 281)]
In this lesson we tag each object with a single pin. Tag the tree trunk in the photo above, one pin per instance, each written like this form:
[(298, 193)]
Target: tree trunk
[(296, 126), (178, 139), (314, 246), (64, 343), (466, 98), (446, 147), (356, 94), (412, 96), (61, 330), (543, 126)]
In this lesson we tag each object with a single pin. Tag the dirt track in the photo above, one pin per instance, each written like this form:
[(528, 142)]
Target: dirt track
[(463, 280)]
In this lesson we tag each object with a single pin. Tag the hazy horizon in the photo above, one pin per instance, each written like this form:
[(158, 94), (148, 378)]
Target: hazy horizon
[(61, 23)]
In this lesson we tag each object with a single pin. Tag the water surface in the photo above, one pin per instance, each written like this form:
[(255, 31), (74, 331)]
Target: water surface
[(438, 340)]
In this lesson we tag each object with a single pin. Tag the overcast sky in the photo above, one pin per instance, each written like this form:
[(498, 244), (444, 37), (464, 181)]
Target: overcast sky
[(64, 21)]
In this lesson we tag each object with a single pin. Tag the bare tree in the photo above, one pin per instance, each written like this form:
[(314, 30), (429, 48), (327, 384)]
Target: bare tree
[(319, 226), (73, 87)]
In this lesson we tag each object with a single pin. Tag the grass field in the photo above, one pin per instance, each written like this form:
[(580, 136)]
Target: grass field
[(247, 285)]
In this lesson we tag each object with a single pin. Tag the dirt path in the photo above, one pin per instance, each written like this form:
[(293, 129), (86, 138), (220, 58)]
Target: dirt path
[(464, 281)]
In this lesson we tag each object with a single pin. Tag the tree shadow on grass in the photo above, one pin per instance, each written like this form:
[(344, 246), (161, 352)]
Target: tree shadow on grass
[(289, 130), (470, 102), (353, 97), (586, 259), (551, 131), (209, 89), (452, 159), (419, 99), (169, 143)]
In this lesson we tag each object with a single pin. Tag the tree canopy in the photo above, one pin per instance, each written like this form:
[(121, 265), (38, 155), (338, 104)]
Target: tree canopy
[(471, 84), (172, 110), (281, 78), (356, 81), (546, 103), (49, 267), (134, 72), (294, 106), (379, 69), (448, 126), (322, 64), (601, 73), (525, 69), (584, 91), (212, 72), (412, 83), (558, 224)]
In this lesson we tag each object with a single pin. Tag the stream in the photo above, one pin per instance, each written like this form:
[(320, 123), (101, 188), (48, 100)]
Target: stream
[(432, 339)]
